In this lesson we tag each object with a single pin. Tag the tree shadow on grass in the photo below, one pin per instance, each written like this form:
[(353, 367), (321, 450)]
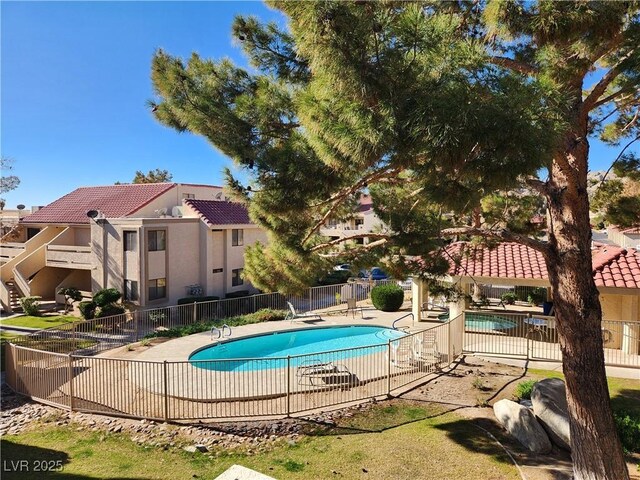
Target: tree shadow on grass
[(485, 436), (25, 462), (381, 417), (627, 400)]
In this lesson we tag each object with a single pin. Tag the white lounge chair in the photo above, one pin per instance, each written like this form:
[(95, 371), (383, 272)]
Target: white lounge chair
[(402, 353), (300, 317), (425, 347)]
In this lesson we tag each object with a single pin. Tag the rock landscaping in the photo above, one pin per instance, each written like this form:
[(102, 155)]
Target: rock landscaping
[(20, 414), (550, 406), (521, 423)]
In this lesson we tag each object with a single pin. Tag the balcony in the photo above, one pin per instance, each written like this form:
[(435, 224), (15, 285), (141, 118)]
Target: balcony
[(69, 256), (9, 251)]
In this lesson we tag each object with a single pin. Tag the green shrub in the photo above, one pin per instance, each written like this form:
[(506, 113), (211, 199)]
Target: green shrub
[(187, 300), (523, 389), (87, 309), (238, 294), (268, 315), (106, 296), (628, 426), (509, 298), (31, 305), (537, 296), (387, 298), (71, 294), (264, 315), (110, 310)]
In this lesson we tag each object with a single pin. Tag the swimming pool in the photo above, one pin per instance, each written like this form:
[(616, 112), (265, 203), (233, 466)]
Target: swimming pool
[(480, 321), (269, 351)]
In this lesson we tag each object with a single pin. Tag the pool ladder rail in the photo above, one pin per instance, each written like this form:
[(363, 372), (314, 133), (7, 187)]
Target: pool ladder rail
[(220, 332), (413, 320)]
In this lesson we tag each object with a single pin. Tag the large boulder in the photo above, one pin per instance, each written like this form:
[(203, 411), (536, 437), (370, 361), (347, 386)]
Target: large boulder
[(549, 399), (522, 424)]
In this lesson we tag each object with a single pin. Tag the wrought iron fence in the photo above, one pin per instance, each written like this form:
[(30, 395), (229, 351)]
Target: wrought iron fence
[(535, 337), (225, 389)]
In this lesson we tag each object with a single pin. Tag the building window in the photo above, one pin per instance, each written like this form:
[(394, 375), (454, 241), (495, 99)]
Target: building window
[(237, 237), (131, 291), (157, 288), (157, 240), (187, 196), (236, 277), (130, 241)]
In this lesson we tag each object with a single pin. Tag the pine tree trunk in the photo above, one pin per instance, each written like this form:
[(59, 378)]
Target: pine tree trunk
[(595, 447)]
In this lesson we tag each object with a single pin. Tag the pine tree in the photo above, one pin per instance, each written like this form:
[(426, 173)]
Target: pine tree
[(447, 113)]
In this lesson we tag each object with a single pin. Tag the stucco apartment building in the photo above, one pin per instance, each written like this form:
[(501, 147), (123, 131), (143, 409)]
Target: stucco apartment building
[(156, 243), (364, 220)]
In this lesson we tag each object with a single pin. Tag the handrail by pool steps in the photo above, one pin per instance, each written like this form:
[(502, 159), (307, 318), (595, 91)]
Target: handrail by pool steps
[(220, 332), (393, 325)]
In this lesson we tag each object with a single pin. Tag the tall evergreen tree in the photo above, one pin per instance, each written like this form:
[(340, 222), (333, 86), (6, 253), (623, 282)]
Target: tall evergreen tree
[(460, 118)]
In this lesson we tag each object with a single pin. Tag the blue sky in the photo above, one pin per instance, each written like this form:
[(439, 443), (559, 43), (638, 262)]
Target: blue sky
[(75, 81)]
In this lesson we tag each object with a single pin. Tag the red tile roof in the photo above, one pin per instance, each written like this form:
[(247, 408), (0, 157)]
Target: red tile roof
[(114, 201), (215, 212), (612, 266), (507, 260), (365, 203), (617, 267)]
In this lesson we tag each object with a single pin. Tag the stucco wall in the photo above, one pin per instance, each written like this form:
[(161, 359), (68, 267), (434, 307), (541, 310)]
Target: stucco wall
[(618, 308), (173, 198)]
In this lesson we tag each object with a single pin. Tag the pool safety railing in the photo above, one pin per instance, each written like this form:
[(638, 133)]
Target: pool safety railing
[(227, 389)]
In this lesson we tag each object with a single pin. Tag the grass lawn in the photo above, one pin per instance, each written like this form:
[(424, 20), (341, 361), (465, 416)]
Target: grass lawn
[(39, 322), (624, 392), (392, 441)]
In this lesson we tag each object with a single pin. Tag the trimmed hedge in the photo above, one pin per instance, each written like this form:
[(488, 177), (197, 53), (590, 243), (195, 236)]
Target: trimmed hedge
[(31, 305), (264, 315), (87, 309), (110, 310), (187, 300), (106, 296), (387, 298), (238, 294)]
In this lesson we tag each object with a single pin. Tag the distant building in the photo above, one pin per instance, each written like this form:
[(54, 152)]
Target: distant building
[(156, 243), (364, 220)]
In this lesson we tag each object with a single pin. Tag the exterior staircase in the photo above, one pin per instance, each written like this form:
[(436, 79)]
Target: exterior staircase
[(14, 296)]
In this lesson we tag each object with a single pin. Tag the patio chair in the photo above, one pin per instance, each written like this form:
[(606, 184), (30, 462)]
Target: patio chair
[(300, 317), (352, 306), (402, 353), (425, 347)]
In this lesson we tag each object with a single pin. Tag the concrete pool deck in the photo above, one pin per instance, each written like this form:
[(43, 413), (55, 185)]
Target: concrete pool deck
[(179, 349)]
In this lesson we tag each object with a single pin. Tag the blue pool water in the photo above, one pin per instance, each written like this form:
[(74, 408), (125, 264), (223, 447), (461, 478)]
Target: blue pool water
[(478, 321), (267, 351)]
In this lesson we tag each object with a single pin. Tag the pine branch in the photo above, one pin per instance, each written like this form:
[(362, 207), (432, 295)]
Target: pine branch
[(382, 239), (608, 98), (618, 158), (339, 197), (515, 65), (502, 234), (589, 103)]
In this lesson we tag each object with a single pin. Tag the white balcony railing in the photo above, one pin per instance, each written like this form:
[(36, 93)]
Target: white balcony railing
[(10, 250), (69, 256)]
